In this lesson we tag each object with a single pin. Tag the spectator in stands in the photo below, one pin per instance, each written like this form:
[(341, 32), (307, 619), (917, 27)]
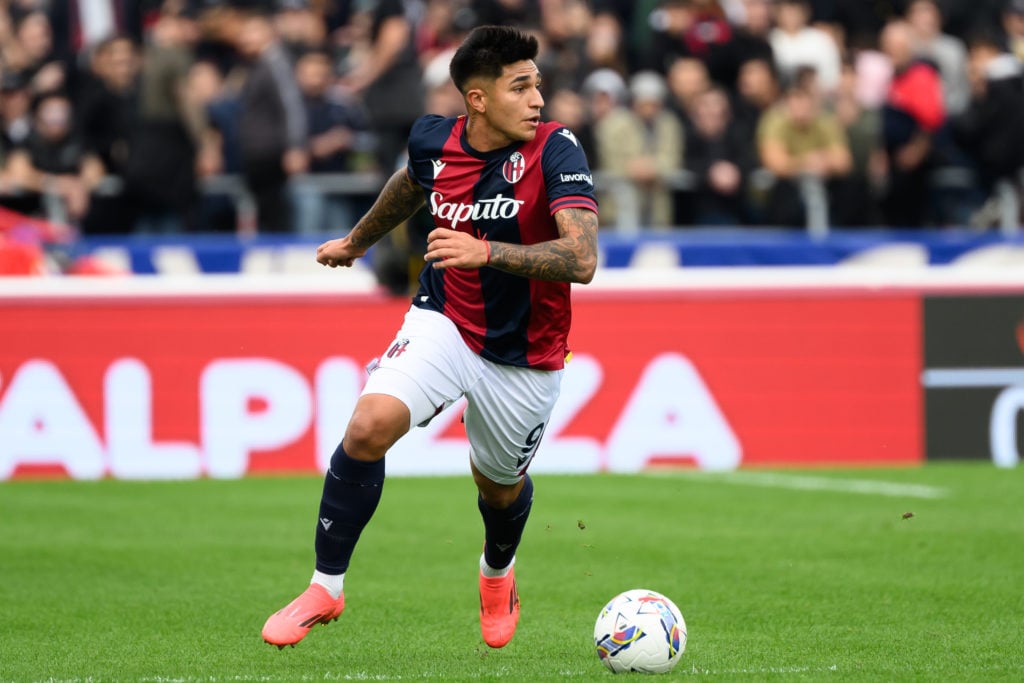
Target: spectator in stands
[(859, 22), (388, 78), (107, 103), (629, 21), (440, 29), (218, 152), (53, 162), (644, 145), (692, 28), (205, 86), (947, 53), (31, 53), (799, 143), (161, 175), (757, 91), (15, 110), (299, 27), (796, 44), (272, 124), (604, 94), (220, 26), (913, 117), (753, 37), (108, 116), (80, 25), (563, 54), (720, 157), (380, 47), (964, 19), (990, 129), (220, 97), (688, 78), (854, 197), (1013, 26), (337, 127), (443, 98), (9, 191), (873, 71), (607, 45)]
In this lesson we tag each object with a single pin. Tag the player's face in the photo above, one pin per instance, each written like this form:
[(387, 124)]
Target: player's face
[(514, 102)]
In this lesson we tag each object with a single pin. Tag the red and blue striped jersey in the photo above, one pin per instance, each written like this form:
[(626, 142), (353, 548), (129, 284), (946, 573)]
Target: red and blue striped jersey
[(505, 195)]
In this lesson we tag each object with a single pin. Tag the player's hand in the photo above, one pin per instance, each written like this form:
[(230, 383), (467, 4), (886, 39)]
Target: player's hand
[(339, 252), (453, 249)]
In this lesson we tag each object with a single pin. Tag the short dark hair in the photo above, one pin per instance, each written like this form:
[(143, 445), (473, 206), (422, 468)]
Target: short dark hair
[(487, 50), (985, 38)]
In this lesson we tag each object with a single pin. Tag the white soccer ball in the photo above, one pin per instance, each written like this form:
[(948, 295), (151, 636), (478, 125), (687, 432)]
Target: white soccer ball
[(640, 630)]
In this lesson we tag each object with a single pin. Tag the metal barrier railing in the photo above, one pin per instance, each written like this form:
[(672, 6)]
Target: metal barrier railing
[(813, 192)]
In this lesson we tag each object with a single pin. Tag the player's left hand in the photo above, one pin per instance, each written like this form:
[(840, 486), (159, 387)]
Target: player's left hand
[(453, 249)]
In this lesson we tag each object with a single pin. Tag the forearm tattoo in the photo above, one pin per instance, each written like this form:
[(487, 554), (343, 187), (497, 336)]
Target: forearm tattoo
[(570, 258), (396, 202)]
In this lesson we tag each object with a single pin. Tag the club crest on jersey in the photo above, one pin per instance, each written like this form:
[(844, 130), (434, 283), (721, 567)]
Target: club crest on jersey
[(514, 168)]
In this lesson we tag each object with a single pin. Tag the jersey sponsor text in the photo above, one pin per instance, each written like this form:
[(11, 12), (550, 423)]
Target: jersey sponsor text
[(485, 209), (577, 178)]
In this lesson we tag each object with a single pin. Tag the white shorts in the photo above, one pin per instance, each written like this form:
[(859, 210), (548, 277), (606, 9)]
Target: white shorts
[(428, 367)]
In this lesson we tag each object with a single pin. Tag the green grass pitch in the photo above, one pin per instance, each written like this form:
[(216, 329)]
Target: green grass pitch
[(780, 575)]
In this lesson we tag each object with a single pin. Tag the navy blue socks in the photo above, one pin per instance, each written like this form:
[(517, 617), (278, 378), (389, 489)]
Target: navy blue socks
[(352, 489), (503, 529)]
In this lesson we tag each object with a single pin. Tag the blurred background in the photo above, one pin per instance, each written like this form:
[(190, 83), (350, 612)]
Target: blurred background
[(810, 229), (131, 123)]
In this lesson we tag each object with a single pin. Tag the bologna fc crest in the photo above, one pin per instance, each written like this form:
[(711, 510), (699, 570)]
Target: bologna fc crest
[(514, 168)]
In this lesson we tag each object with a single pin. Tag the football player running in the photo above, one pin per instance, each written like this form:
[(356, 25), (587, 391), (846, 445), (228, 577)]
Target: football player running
[(515, 218)]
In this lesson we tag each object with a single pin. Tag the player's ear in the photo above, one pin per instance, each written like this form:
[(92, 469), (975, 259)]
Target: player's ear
[(476, 100)]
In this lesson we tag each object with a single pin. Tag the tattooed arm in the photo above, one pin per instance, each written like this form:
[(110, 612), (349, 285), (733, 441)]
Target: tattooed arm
[(396, 202), (572, 257)]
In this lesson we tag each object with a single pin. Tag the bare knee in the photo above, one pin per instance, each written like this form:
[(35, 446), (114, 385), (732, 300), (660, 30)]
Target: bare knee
[(376, 424), (495, 495)]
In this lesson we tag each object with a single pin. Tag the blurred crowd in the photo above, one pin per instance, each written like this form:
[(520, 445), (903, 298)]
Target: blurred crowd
[(119, 116)]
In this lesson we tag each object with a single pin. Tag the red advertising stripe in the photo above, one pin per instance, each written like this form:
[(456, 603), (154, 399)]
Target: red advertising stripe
[(178, 340), (801, 379), (162, 387)]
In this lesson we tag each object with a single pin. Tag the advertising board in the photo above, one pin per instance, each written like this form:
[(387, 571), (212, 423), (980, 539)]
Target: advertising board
[(974, 377), (145, 386)]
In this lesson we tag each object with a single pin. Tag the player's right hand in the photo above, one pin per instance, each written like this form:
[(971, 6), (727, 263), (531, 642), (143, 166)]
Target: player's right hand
[(339, 252)]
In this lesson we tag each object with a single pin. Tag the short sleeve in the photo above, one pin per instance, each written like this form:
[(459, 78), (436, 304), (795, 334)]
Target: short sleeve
[(570, 184), (421, 137)]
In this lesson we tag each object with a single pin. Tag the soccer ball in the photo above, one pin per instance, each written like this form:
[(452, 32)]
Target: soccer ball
[(640, 630)]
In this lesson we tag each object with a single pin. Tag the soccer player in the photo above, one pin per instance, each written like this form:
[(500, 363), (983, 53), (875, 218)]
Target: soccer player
[(515, 223)]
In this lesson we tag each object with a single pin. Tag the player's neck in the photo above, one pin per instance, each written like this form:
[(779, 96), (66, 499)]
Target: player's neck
[(484, 138)]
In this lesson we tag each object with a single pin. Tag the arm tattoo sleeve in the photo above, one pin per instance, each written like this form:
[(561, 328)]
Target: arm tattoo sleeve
[(570, 258), (399, 199)]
